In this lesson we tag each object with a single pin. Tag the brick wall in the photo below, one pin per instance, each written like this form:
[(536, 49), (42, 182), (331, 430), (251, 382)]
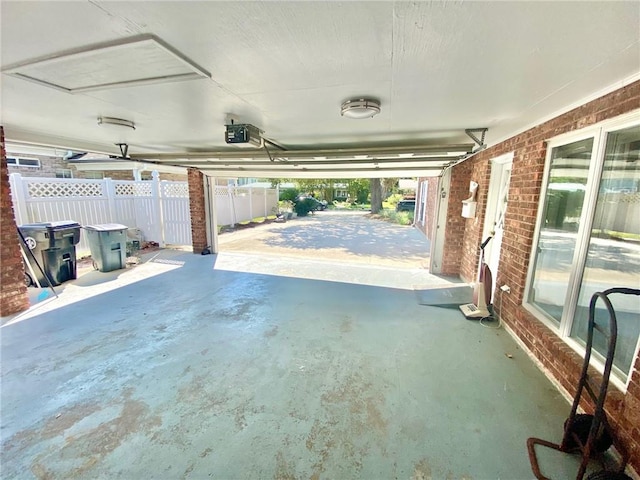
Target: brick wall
[(432, 202), (50, 165), (463, 237), (197, 209), (13, 292), (454, 238)]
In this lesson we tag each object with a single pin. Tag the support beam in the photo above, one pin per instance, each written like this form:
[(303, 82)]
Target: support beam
[(13, 292), (197, 210)]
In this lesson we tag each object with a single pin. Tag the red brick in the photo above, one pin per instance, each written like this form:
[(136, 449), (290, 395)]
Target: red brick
[(13, 292), (197, 209), (463, 236)]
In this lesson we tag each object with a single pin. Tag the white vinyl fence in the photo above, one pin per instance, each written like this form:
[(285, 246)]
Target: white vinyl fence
[(159, 209), (239, 204)]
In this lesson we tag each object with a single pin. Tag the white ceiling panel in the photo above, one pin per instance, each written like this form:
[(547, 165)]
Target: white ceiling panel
[(138, 60), (437, 68)]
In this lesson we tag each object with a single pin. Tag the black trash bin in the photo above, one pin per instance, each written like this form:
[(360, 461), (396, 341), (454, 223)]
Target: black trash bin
[(108, 245), (53, 245)]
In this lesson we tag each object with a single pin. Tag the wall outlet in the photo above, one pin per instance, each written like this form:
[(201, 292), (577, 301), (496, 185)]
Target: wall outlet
[(505, 288)]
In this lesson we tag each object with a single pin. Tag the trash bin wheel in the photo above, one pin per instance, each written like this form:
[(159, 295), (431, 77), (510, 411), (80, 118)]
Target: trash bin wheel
[(604, 475), (581, 427), (95, 265), (28, 281), (31, 242)]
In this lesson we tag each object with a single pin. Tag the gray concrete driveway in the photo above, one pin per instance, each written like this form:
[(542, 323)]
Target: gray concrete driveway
[(299, 351), (337, 246), (335, 236)]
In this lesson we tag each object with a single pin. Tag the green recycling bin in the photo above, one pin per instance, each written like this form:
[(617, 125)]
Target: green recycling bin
[(50, 248), (108, 245)]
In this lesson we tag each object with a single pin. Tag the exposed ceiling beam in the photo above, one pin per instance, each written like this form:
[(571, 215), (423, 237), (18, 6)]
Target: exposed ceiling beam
[(402, 173), (452, 150), (310, 163), (304, 172)]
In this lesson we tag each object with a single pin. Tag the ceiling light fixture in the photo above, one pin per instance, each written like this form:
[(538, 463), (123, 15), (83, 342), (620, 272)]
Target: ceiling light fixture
[(360, 108), (120, 122)]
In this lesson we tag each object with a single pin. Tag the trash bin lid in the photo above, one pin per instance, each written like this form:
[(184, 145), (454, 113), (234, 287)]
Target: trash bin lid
[(106, 227), (51, 225)]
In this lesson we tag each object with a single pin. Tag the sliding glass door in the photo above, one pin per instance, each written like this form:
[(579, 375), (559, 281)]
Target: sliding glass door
[(613, 254), (563, 205), (589, 237)]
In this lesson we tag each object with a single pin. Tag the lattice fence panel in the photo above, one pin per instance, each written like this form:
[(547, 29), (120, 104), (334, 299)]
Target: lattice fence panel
[(175, 189), (627, 197), (133, 189), (48, 189)]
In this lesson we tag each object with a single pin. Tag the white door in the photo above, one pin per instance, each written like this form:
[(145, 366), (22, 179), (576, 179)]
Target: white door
[(422, 208), (439, 226), (497, 200)]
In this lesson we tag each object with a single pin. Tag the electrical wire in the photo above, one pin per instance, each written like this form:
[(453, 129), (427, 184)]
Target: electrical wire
[(497, 317)]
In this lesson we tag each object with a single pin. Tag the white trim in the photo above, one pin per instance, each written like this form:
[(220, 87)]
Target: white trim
[(635, 355), (108, 165), (572, 106), (63, 171), (422, 209), (491, 199), (613, 123), (18, 160), (564, 139), (582, 239)]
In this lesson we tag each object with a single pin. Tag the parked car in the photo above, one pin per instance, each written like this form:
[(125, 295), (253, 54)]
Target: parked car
[(316, 204), (406, 206)]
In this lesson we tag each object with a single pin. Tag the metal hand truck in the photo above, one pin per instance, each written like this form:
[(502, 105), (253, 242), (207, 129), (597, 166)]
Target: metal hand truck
[(590, 434)]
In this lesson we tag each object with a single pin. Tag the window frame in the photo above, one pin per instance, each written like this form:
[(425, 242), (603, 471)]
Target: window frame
[(63, 171), (599, 132), (19, 164)]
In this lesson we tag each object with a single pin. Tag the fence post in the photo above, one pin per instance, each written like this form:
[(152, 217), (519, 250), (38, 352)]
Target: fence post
[(156, 201), (211, 212), (264, 192), (110, 193), (231, 209), (19, 198)]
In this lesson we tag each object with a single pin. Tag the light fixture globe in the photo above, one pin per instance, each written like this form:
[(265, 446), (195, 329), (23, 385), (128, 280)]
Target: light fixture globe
[(360, 108), (118, 122)]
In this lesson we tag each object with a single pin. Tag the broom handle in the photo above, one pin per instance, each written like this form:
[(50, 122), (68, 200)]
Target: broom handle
[(28, 263), (44, 274)]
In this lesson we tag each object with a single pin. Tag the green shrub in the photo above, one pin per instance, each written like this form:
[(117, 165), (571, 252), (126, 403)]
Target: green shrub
[(391, 201), (289, 194), (303, 207), (285, 206), (401, 218)]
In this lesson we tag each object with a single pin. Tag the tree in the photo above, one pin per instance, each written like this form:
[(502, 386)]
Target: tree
[(358, 189), (388, 186), (376, 195)]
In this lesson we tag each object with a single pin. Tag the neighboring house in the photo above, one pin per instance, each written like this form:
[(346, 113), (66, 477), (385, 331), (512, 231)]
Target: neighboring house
[(101, 166), (31, 165), (58, 163), (561, 202)]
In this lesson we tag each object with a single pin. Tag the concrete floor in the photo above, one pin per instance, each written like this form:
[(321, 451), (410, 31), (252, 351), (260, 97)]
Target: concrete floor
[(185, 366)]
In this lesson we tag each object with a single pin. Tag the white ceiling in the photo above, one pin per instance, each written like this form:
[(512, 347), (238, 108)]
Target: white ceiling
[(437, 68)]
